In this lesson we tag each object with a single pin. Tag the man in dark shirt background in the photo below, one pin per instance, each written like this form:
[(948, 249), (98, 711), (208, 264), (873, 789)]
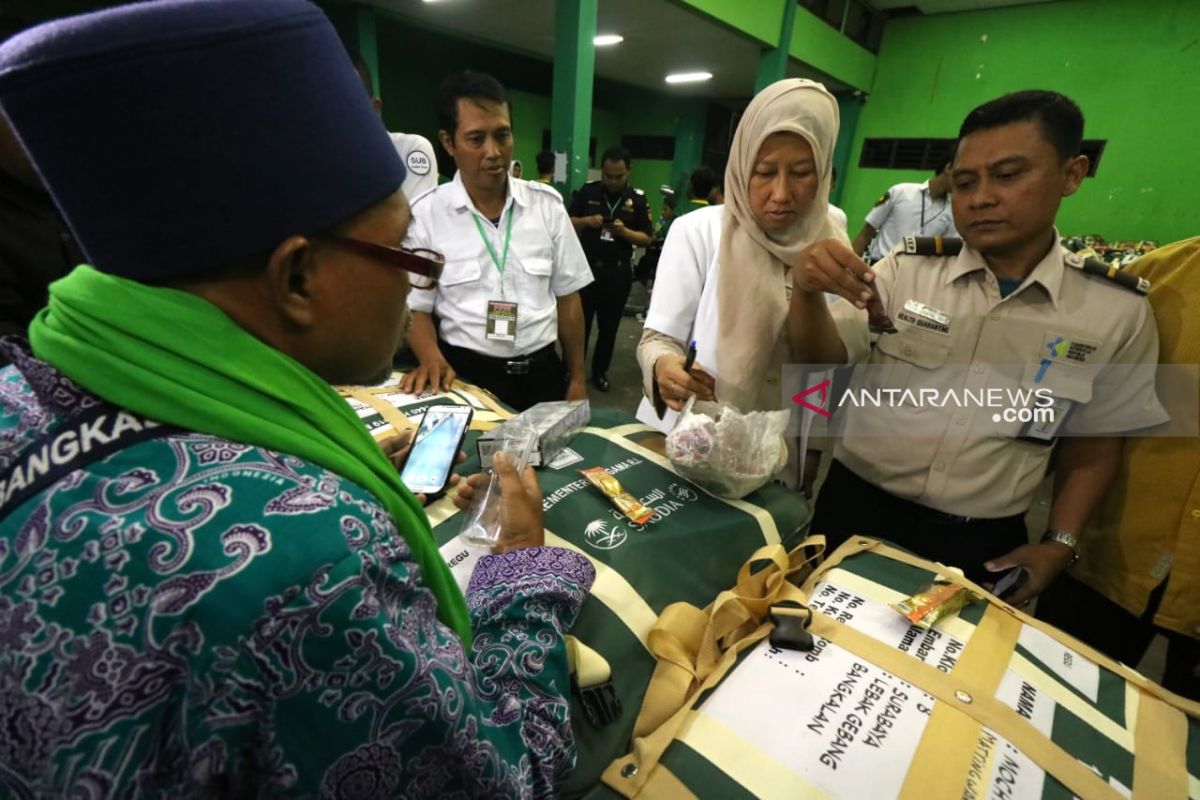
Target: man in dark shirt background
[(612, 218)]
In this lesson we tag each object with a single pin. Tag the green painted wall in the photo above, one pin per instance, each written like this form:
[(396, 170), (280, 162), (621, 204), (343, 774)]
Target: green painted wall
[(813, 42), (1133, 67), (816, 43)]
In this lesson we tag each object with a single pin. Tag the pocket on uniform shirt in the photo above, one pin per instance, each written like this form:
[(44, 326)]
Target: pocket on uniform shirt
[(534, 275), (460, 271), (913, 355)]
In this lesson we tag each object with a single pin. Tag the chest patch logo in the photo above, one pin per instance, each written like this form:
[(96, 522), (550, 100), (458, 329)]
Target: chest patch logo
[(1070, 351)]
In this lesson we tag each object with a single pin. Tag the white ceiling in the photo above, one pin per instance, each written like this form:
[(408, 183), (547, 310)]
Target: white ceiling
[(660, 38)]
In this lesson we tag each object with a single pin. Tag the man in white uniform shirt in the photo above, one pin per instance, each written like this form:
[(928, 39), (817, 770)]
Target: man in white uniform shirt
[(514, 266), (907, 209), (414, 150)]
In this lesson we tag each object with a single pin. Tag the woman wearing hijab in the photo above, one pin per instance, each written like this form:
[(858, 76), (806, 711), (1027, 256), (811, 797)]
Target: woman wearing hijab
[(724, 277), (515, 170)]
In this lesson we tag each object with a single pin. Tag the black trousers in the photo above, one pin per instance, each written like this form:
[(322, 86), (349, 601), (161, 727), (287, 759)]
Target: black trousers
[(544, 378), (849, 506), (1073, 606), (605, 299)]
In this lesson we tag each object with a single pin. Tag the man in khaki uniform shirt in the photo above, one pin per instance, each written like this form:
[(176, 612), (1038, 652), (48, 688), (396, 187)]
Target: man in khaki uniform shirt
[(1011, 311)]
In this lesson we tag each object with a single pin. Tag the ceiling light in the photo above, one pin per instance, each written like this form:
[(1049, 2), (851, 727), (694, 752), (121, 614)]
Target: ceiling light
[(689, 77), (608, 39)]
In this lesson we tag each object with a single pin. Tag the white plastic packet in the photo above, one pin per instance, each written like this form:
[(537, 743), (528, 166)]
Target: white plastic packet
[(481, 523), (726, 452)]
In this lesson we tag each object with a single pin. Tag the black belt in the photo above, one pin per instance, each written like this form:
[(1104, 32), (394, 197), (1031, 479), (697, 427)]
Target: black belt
[(612, 262), (520, 365)]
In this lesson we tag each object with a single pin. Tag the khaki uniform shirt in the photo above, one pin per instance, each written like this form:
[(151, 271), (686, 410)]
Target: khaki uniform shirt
[(957, 333)]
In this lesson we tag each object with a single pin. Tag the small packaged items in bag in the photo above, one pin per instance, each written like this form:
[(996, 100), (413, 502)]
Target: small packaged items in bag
[(629, 505), (481, 523), (726, 452), (934, 602)]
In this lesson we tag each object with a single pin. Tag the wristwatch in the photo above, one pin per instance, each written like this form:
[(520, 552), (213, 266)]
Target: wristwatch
[(1067, 538)]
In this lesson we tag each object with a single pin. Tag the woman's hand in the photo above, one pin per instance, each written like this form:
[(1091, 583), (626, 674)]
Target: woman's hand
[(676, 386), (830, 266)]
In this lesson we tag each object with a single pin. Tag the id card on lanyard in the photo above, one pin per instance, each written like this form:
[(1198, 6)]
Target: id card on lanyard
[(606, 234), (501, 318)]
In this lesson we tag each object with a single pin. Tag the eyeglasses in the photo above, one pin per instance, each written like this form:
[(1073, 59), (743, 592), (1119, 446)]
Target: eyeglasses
[(425, 266)]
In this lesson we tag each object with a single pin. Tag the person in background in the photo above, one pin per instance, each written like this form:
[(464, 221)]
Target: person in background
[(728, 267), (1139, 570), (420, 163), (717, 196), (514, 267), (837, 213), (907, 209), (669, 212), (612, 218), (36, 247), (702, 185), (953, 480), (516, 169), (545, 168), (243, 598)]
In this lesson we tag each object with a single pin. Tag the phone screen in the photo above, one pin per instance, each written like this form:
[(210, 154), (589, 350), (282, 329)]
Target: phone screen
[(435, 446)]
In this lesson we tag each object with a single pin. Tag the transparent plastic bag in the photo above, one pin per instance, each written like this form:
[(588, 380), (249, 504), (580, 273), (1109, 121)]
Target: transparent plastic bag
[(481, 523), (726, 452)]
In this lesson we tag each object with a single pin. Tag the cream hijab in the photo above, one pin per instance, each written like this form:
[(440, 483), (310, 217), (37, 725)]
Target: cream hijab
[(752, 299)]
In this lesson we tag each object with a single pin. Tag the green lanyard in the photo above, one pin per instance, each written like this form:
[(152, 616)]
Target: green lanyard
[(612, 209), (498, 261)]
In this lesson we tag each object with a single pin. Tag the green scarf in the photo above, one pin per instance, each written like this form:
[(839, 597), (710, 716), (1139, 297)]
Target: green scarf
[(176, 358)]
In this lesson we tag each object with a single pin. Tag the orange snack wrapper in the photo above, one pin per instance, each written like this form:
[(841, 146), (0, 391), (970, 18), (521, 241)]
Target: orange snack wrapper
[(936, 601), (628, 505)]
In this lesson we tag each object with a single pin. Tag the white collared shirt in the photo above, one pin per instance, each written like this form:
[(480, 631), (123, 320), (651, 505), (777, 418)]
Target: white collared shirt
[(908, 210), (545, 262), (420, 164)]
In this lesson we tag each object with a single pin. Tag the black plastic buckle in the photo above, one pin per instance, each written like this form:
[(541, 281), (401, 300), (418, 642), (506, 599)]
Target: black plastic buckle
[(791, 630), (600, 703)]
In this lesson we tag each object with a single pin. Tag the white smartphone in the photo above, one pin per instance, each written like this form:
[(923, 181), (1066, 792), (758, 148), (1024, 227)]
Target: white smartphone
[(435, 447)]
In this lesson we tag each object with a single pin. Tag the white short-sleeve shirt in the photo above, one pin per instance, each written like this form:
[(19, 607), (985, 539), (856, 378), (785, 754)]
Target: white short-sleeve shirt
[(420, 163), (908, 210), (545, 262)]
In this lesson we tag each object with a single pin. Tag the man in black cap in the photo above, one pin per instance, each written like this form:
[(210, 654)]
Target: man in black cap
[(213, 581), (35, 245), (612, 218)]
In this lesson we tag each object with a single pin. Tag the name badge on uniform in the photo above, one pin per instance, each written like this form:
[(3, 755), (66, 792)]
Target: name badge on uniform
[(501, 321), (1046, 421), (925, 316)]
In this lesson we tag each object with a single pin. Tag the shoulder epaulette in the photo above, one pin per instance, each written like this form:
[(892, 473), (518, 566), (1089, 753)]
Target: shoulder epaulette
[(932, 246), (884, 198), (1109, 272)]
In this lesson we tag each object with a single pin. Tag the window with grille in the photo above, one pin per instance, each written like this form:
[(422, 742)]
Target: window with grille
[(929, 154)]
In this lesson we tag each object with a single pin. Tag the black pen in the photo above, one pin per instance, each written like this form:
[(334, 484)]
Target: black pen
[(691, 356)]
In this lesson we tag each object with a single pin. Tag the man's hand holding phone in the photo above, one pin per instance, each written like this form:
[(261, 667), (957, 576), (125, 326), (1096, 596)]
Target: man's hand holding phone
[(520, 504), (426, 459)]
